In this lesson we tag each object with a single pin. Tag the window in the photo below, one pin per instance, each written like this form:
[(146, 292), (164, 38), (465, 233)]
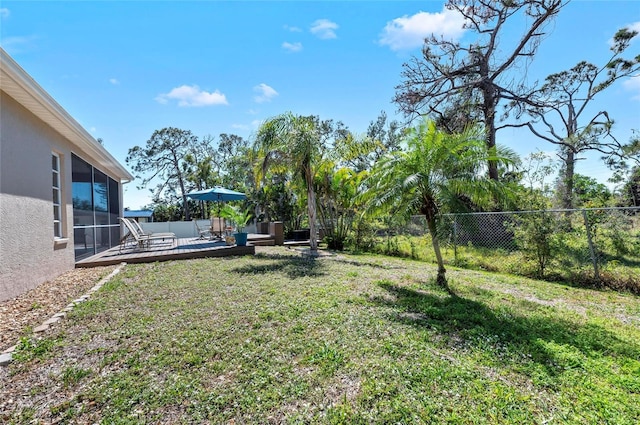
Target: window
[(57, 207), (96, 207)]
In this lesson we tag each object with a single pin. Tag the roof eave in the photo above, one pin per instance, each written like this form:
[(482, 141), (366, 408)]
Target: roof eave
[(15, 82)]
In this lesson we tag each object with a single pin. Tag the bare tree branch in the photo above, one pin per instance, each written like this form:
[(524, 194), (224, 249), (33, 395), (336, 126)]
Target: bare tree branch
[(565, 96), (447, 69)]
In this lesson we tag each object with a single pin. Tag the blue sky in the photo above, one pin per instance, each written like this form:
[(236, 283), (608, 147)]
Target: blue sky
[(125, 69)]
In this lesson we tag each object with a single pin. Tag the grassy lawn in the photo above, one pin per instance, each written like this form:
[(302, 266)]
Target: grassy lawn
[(278, 338)]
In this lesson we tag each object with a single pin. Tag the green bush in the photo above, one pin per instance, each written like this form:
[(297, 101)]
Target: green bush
[(537, 237)]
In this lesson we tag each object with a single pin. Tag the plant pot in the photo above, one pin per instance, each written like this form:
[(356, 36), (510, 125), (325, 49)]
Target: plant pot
[(263, 228), (241, 238)]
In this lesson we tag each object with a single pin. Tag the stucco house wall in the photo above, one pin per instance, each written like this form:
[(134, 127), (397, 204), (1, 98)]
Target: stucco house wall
[(29, 252)]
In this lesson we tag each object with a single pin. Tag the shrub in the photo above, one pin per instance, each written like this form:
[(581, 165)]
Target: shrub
[(535, 234)]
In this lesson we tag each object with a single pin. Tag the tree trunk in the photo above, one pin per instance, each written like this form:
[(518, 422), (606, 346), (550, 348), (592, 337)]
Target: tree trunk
[(441, 279), (569, 171), (185, 204), (489, 110), (311, 204)]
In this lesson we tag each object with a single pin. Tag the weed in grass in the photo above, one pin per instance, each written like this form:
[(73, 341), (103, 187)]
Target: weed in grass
[(86, 308), (25, 415), (392, 349), (65, 410), (299, 329), (343, 414), (72, 375), (109, 358), (29, 348), (266, 316), (328, 359), (384, 282)]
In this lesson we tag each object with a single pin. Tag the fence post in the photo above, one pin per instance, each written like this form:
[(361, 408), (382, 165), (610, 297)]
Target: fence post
[(592, 250), (455, 238)]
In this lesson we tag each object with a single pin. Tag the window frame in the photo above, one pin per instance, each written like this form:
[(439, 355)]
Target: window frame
[(93, 234), (57, 194)]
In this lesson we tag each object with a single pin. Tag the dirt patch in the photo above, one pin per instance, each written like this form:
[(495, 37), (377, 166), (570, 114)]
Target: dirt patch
[(39, 304)]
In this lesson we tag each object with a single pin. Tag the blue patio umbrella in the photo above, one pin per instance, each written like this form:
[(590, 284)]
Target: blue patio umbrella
[(217, 194)]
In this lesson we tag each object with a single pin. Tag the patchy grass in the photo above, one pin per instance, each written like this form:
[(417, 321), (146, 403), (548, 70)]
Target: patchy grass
[(277, 338)]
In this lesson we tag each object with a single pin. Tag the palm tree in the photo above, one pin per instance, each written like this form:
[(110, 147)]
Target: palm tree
[(294, 142), (438, 172), (337, 201)]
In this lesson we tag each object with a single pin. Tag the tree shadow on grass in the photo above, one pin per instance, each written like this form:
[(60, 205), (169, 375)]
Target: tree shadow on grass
[(474, 323), (364, 263), (293, 266)]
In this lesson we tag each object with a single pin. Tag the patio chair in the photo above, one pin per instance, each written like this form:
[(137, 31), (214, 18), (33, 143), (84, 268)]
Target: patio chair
[(126, 240), (203, 233), (141, 232), (144, 241), (217, 226)]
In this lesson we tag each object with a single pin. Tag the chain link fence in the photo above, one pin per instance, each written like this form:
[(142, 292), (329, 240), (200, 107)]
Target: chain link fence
[(597, 246)]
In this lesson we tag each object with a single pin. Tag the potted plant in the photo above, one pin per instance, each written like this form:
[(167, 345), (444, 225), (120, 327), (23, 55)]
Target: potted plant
[(240, 219)]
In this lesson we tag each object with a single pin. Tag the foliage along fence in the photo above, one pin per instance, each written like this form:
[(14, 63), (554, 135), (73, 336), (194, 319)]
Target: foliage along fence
[(599, 246)]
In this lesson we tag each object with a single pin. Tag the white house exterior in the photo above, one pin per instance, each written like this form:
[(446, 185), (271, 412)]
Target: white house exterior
[(60, 190)]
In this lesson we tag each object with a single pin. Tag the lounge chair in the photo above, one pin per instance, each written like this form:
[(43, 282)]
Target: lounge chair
[(203, 233), (143, 241), (217, 226), (141, 232)]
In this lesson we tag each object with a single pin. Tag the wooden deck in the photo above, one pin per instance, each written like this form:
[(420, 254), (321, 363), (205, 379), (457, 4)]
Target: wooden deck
[(170, 250)]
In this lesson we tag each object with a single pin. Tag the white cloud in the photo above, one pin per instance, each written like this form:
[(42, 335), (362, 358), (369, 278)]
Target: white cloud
[(292, 47), (265, 93), (633, 85), (292, 29), (409, 32), (114, 81), (240, 126), (192, 96), (18, 44), (4, 12), (635, 26), (324, 29)]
